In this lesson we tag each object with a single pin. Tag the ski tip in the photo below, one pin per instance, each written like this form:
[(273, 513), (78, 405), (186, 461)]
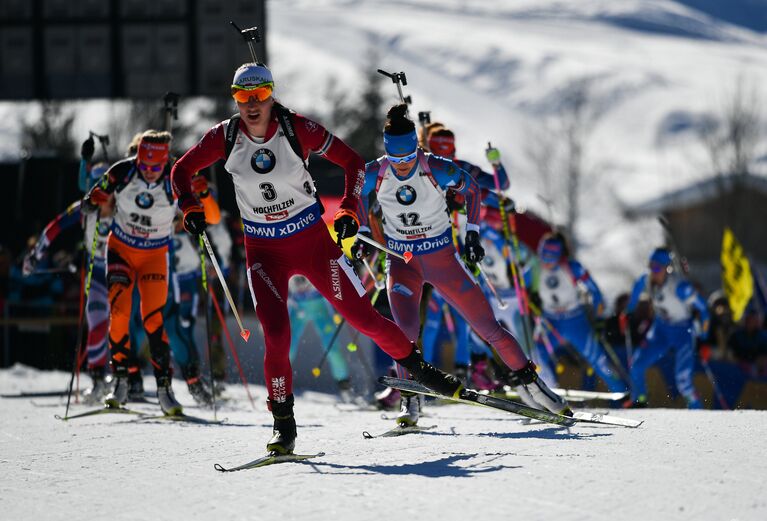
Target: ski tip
[(367, 435), (245, 334), (408, 255), (218, 467), (62, 418)]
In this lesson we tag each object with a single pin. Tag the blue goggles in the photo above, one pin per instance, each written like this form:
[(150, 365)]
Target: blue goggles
[(402, 159), (550, 253)]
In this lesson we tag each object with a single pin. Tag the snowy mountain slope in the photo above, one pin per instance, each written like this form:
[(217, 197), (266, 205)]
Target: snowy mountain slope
[(477, 464), (493, 70)]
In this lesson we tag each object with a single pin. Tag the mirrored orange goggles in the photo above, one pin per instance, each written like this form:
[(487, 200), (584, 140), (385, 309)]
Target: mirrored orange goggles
[(260, 92)]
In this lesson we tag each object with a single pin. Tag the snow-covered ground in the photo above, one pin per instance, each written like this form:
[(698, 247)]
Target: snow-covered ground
[(478, 464)]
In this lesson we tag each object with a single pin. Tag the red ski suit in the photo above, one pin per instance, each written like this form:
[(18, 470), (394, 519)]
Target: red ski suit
[(284, 235)]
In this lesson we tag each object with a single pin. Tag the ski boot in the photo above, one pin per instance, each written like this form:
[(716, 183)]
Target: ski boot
[(345, 394), (219, 386), (284, 433), (410, 410), (639, 403), (426, 374), (534, 392), (199, 391), (99, 389), (461, 372), (136, 386), (119, 395), (168, 402)]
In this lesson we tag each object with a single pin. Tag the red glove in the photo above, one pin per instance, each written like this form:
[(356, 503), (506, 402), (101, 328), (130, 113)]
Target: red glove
[(98, 196), (200, 185), (94, 199)]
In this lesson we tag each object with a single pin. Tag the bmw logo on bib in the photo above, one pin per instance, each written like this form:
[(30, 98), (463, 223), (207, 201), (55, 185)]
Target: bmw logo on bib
[(406, 195), (552, 282), (144, 200), (263, 161)]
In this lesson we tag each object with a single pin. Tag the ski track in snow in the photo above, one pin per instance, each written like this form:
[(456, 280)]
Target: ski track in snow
[(477, 463)]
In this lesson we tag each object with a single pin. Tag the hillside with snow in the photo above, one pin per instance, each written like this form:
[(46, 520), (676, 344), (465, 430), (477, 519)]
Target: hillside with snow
[(497, 70), (654, 71)]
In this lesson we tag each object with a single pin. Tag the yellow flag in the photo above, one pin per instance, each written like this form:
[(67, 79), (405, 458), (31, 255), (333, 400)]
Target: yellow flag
[(736, 275)]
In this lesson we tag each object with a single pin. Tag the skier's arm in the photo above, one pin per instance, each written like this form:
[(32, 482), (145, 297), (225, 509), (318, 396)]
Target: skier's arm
[(82, 178), (368, 186), (486, 180), (314, 138), (449, 175), (582, 276), (52, 230), (639, 286), (687, 294)]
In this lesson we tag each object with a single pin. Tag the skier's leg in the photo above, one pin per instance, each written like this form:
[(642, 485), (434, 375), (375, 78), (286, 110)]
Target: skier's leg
[(173, 328), (297, 315), (644, 357), (684, 343), (583, 339), (268, 275), (97, 317), (120, 282), (444, 269), (187, 354), (432, 326), (446, 272), (152, 275), (461, 339), (332, 275)]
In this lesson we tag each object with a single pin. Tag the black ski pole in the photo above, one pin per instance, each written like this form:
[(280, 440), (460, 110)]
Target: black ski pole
[(84, 292), (204, 280)]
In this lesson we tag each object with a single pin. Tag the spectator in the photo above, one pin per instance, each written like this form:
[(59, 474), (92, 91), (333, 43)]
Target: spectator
[(748, 344)]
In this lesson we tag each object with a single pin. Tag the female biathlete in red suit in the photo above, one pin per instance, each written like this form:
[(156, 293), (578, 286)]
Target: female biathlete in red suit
[(410, 186), (283, 231)]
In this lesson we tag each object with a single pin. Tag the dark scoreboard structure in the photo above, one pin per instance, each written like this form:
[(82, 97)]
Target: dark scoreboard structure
[(75, 49)]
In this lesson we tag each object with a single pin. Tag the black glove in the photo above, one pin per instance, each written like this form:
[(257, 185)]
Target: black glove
[(454, 203), (472, 248), (361, 249), (194, 220), (87, 149), (345, 226)]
